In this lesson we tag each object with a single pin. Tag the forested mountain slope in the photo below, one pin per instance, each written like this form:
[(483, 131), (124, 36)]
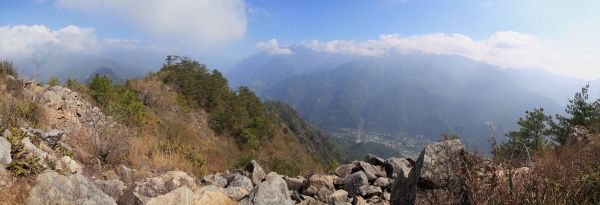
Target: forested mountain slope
[(403, 100)]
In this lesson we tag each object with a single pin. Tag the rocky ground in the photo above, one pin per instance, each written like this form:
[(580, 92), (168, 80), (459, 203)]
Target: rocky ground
[(372, 181), (47, 155)]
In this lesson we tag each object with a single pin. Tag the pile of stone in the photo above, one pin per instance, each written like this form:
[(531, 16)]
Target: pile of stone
[(372, 181), (67, 110)]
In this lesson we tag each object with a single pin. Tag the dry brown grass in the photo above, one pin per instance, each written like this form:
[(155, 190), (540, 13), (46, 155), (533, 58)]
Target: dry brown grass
[(107, 145), (16, 193), (144, 155), (16, 109), (170, 123), (565, 175)]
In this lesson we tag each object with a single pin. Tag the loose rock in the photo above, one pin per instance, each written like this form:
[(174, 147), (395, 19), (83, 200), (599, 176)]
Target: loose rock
[(431, 171), (382, 182), (396, 167), (214, 179), (320, 186), (295, 183), (53, 188), (338, 197), (255, 172), (370, 170), (242, 181), (370, 190), (153, 187), (344, 170), (5, 148), (236, 193), (69, 165), (354, 181), (272, 191), (374, 160)]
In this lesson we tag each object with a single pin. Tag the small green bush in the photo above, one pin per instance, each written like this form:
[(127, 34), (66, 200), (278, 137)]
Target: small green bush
[(24, 167), (117, 100), (15, 137), (192, 155), (283, 167), (243, 160), (54, 81)]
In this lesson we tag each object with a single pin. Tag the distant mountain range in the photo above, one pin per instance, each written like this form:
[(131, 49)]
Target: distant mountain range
[(124, 65), (402, 100)]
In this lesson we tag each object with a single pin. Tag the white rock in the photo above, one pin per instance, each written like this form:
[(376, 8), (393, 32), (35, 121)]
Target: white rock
[(5, 146)]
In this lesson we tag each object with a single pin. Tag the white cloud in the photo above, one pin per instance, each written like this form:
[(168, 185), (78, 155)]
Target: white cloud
[(273, 47), (22, 41), (201, 21), (505, 48)]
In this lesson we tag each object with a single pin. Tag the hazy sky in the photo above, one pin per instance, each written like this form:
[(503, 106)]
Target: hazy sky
[(558, 36)]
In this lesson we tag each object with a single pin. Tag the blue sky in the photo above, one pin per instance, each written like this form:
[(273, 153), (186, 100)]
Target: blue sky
[(231, 29)]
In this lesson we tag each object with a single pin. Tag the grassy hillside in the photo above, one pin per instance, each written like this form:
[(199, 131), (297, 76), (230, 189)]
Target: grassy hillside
[(188, 113)]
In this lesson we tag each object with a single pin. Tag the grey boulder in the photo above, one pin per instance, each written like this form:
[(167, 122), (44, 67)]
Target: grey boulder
[(353, 182), (5, 148), (434, 169), (255, 172), (53, 188), (344, 170), (272, 191)]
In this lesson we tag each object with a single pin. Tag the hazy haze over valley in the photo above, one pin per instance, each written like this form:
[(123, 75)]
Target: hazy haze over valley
[(403, 99)]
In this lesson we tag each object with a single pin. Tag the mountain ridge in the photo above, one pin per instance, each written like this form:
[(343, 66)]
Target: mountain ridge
[(399, 95)]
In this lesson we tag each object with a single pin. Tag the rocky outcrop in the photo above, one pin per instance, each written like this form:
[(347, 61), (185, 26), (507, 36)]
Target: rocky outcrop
[(437, 167), (373, 181), (209, 195), (53, 188), (67, 110), (362, 182), (156, 186)]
